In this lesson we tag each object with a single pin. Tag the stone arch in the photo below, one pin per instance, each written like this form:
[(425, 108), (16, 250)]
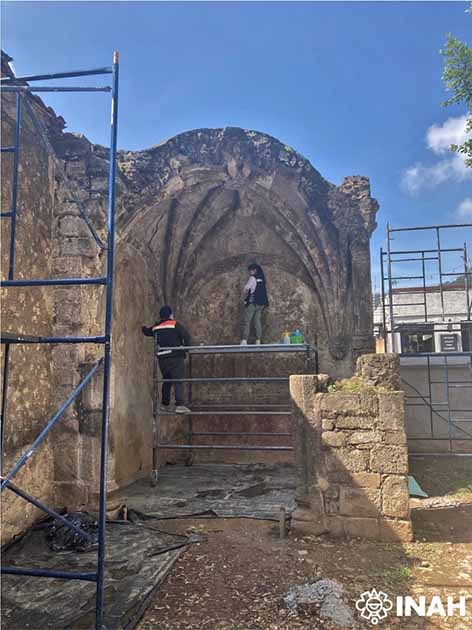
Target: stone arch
[(203, 204)]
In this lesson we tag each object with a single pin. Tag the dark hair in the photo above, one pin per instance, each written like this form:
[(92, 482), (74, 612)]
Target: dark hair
[(258, 269), (165, 312)]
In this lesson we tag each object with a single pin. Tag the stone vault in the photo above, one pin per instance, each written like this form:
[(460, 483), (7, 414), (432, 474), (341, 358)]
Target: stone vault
[(201, 206)]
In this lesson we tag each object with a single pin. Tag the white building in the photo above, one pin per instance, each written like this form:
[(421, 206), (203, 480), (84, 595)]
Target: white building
[(425, 320)]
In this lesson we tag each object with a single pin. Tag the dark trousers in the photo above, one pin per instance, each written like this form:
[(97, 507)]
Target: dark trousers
[(172, 367)]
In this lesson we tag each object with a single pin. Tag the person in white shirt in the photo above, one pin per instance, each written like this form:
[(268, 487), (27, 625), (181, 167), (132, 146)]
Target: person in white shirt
[(255, 301)]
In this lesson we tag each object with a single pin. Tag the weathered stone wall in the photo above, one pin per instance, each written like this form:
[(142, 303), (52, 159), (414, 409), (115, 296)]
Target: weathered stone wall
[(192, 213), (351, 454), (27, 311)]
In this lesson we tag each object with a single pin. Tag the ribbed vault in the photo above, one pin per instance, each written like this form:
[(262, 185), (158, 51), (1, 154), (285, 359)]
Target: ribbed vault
[(202, 205)]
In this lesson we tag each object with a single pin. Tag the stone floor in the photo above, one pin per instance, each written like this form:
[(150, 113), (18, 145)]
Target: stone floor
[(225, 490)]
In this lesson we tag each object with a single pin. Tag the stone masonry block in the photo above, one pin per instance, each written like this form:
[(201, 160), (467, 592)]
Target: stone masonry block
[(395, 497), (83, 246), (361, 528), (363, 437), (366, 480), (334, 438), (360, 502), (327, 425), (76, 168), (341, 403), (335, 525), (392, 411), (397, 438), (100, 184), (347, 459), (72, 226), (369, 403), (389, 459), (354, 422), (380, 370), (395, 530), (67, 465), (67, 266)]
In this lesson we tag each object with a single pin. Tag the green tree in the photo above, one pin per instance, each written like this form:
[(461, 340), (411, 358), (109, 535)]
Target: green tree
[(457, 77)]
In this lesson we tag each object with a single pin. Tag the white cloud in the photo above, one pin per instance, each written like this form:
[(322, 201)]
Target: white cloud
[(440, 137), (451, 168), (464, 209)]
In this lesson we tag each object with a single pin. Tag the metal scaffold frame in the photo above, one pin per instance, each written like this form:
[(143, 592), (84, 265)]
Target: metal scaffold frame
[(17, 86), (443, 409), (311, 364)]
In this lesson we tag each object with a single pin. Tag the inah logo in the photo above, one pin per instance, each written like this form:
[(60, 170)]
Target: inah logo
[(374, 605)]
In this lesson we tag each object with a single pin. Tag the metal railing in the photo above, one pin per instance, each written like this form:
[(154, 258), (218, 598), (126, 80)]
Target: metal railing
[(231, 409)]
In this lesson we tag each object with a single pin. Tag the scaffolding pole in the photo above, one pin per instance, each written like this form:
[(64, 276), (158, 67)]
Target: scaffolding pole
[(444, 410), (13, 84)]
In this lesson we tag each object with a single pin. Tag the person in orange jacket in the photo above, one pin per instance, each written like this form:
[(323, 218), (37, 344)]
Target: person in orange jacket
[(170, 333)]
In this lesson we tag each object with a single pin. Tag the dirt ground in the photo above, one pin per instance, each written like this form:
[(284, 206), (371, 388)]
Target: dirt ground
[(236, 580)]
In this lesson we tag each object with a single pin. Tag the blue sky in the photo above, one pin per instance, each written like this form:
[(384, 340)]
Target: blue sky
[(355, 87)]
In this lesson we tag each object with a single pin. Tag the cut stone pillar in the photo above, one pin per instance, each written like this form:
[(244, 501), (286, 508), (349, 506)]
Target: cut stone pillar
[(351, 454)]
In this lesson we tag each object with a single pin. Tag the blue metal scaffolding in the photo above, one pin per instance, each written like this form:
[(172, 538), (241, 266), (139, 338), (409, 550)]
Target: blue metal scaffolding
[(17, 85)]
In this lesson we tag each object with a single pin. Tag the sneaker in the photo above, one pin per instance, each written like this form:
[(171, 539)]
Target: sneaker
[(182, 409), (165, 408), (258, 342), (243, 342)]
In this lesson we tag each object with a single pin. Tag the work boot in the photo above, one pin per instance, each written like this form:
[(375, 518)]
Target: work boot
[(182, 409)]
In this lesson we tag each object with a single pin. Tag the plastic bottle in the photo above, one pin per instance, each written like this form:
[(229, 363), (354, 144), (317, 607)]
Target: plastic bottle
[(297, 337), (286, 337)]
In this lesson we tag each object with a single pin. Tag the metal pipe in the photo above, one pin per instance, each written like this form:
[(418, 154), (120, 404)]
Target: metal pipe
[(3, 417), (207, 433), (437, 454), (7, 149), (56, 75), (429, 227), (431, 410), (467, 273), (28, 497), (227, 379), (229, 447), (44, 282), (189, 460), (419, 251), (238, 349), (390, 291), (4, 339), (6, 215), (108, 321), (446, 391), (61, 575), (14, 191), (438, 241), (423, 271), (282, 523), (216, 412), (43, 434), (46, 88), (384, 306), (155, 417)]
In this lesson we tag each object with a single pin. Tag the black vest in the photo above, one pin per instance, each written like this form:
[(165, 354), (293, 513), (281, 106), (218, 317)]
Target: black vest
[(260, 294)]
